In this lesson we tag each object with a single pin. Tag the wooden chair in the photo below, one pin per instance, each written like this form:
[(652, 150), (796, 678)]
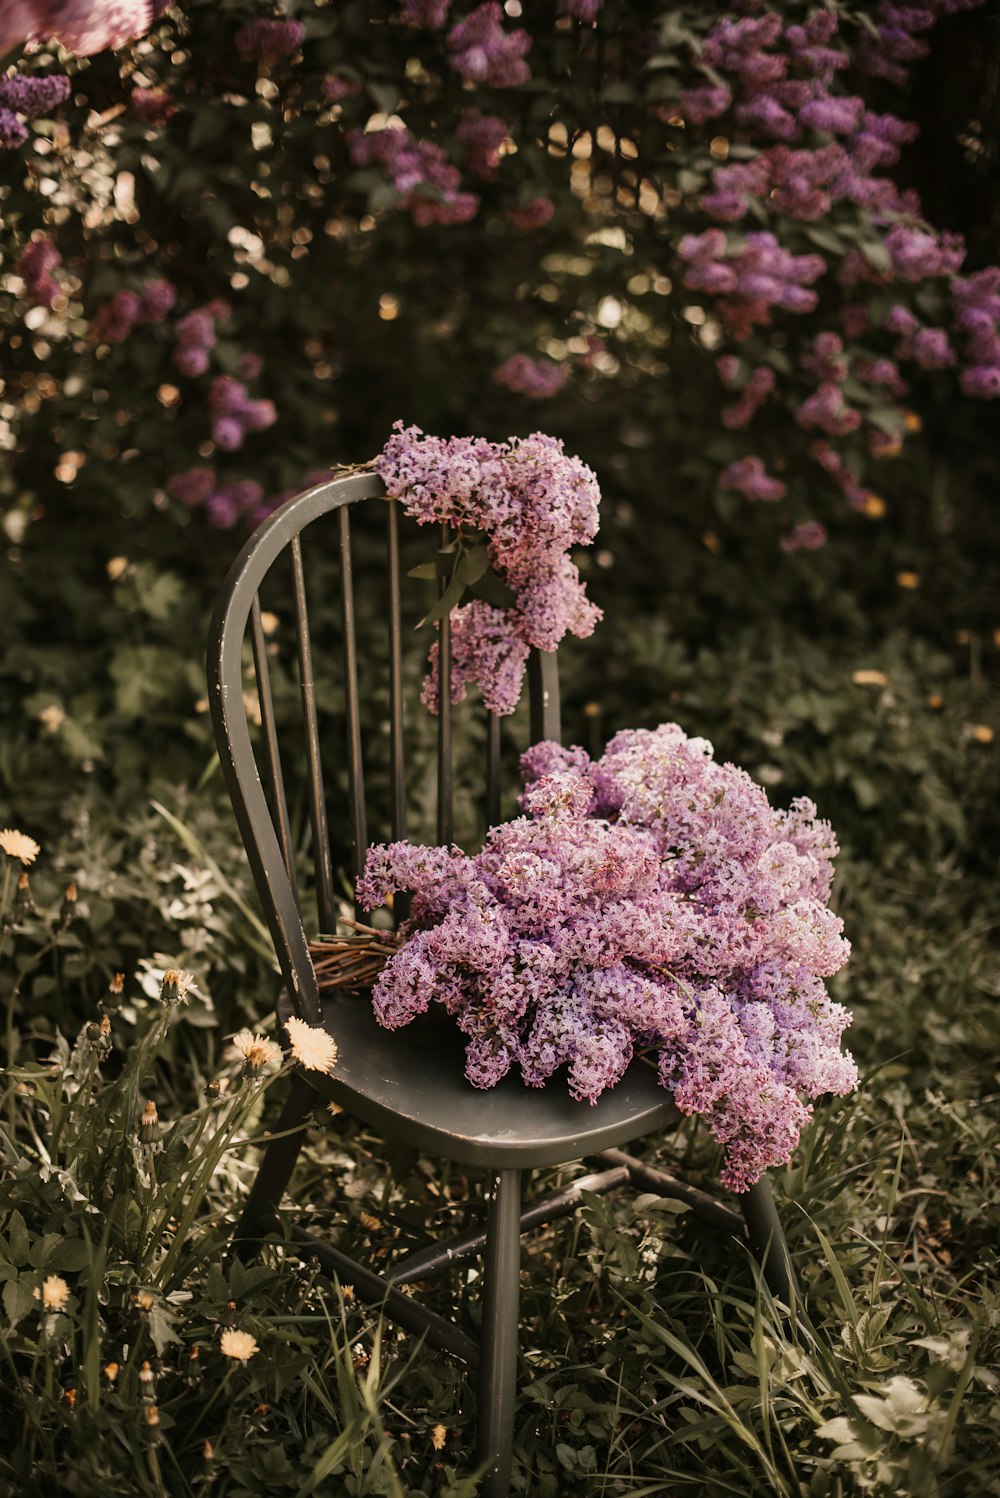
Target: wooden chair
[(409, 1084)]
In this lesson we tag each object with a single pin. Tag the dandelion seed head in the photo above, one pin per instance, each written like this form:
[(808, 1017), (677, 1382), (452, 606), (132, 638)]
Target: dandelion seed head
[(312, 1048)]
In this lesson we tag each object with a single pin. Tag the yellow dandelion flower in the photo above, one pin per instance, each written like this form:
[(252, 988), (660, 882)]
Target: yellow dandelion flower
[(439, 1436), (19, 845), (257, 1051), (982, 733), (312, 1048), (908, 580), (238, 1345), (54, 1292), (869, 678)]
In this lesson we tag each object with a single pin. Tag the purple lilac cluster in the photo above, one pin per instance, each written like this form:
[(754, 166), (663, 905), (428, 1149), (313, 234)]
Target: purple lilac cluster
[(482, 136), (749, 477), (131, 309), (35, 265), (224, 503), (649, 901), (534, 214), (428, 184), (152, 105), (819, 147), (977, 315), (538, 378), (483, 52), (29, 98), (751, 279), (533, 503), (429, 14), (235, 413), (196, 337), (267, 42)]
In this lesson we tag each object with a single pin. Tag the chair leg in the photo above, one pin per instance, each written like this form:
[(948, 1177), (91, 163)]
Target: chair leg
[(767, 1239), (498, 1358), (275, 1168)]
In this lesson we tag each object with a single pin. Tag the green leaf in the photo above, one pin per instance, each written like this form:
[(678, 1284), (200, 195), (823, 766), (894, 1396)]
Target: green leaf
[(18, 1298), (473, 564), (449, 599), (492, 589), (877, 255), (17, 1234)]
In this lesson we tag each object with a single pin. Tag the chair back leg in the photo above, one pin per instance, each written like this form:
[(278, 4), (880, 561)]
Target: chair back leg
[(498, 1357)]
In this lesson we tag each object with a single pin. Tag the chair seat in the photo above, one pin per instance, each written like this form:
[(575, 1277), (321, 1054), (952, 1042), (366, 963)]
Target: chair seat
[(411, 1083)]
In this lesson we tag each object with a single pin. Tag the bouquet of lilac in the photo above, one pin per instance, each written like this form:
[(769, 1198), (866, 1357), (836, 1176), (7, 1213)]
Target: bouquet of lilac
[(649, 901), (517, 507)]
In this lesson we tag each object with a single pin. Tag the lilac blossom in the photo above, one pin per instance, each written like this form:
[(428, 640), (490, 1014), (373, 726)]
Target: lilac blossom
[(235, 413), (807, 536), (482, 135), (538, 378), (649, 901), (12, 132), (267, 42), (484, 53), (431, 14), (32, 97), (750, 478), (534, 214), (35, 265), (196, 337), (533, 503), (81, 26), (428, 184)]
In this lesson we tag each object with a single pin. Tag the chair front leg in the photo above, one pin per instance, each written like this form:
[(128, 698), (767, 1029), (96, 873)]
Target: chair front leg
[(275, 1169), (498, 1357), (767, 1239)]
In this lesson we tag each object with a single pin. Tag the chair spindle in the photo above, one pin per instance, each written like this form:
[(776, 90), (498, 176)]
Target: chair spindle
[(492, 770), (445, 776), (355, 763), (397, 766), (325, 902), (277, 782)]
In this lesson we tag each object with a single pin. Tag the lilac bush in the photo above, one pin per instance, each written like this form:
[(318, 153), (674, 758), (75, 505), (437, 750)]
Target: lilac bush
[(651, 901)]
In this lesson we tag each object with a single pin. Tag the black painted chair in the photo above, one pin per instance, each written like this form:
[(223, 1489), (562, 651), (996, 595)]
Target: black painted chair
[(408, 1084)]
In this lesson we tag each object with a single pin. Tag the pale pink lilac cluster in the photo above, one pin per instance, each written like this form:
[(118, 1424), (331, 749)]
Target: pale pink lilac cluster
[(483, 52), (81, 26), (153, 106), (537, 378), (267, 42), (649, 901), (749, 477), (428, 185), (35, 265), (533, 503), (235, 413)]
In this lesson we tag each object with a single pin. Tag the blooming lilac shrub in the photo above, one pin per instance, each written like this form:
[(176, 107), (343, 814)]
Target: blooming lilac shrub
[(649, 901), (526, 503)]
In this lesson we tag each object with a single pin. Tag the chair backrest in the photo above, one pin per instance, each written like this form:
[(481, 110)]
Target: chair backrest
[(258, 777)]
